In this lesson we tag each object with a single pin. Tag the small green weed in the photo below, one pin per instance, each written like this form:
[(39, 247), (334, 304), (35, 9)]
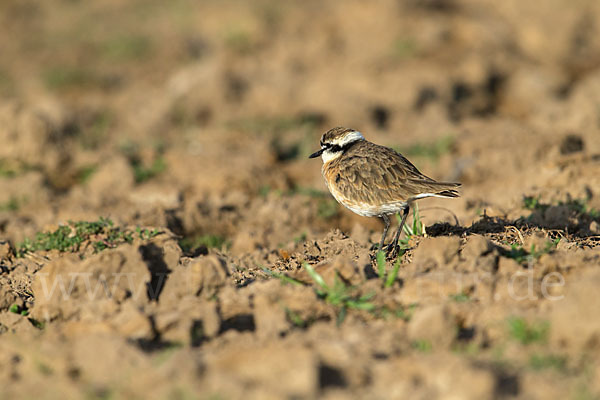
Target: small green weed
[(275, 125), (264, 191), (432, 151), (386, 279), (11, 205), (147, 234), (300, 238), (306, 191), (62, 78), (85, 173), (327, 208), (15, 309), (339, 295), (44, 368), (7, 169), (580, 207), (283, 278), (469, 349), (584, 392), (127, 48), (416, 229), (7, 83), (404, 47), (404, 313), (238, 40), (296, 319), (165, 354), (577, 206), (460, 297), (143, 173), (533, 203), (380, 259), (548, 361), (520, 255), (190, 244), (101, 234), (422, 345), (417, 226), (525, 333), (92, 135), (39, 325)]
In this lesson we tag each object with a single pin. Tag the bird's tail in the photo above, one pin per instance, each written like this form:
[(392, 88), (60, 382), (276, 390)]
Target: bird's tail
[(448, 193), (437, 189)]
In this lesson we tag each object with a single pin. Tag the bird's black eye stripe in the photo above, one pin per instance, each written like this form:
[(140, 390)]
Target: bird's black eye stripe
[(334, 148)]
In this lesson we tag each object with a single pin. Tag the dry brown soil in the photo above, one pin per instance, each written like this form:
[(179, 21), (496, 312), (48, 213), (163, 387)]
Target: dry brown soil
[(188, 125)]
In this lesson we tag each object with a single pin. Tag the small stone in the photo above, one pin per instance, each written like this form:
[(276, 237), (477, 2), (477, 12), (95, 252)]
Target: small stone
[(208, 274), (508, 266), (347, 269), (269, 316), (254, 367), (476, 246), (210, 319), (433, 324), (5, 250), (439, 252), (7, 297), (557, 217), (244, 242), (132, 323), (577, 311)]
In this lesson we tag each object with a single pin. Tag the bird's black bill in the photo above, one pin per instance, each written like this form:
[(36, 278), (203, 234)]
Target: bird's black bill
[(316, 153)]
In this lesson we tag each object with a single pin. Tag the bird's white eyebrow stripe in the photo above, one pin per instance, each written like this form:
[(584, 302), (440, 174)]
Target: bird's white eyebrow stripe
[(349, 138)]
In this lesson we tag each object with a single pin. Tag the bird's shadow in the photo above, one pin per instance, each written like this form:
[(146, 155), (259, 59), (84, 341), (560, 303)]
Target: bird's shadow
[(564, 220)]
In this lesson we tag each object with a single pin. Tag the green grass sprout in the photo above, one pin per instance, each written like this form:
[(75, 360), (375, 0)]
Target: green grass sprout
[(422, 345), (339, 295), (460, 297), (100, 234), (191, 243), (548, 361), (387, 279), (525, 333), (433, 151), (520, 255), (282, 277)]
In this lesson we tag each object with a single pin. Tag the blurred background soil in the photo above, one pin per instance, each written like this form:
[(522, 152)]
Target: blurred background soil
[(158, 210)]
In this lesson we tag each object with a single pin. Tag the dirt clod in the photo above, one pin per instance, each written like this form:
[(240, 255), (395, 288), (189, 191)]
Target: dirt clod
[(163, 233)]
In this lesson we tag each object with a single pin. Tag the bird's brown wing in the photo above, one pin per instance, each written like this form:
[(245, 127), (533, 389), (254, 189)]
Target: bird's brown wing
[(378, 175)]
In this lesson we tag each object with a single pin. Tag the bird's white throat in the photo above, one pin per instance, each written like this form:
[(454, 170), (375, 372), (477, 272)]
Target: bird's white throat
[(329, 155)]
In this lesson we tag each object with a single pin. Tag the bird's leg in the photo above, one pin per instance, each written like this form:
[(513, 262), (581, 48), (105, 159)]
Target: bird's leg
[(386, 221), (394, 245)]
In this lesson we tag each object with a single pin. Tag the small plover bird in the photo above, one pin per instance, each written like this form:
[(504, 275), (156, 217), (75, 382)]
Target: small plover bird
[(373, 180)]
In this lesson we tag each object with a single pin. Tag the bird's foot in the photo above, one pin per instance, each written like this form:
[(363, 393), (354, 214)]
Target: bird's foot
[(392, 251)]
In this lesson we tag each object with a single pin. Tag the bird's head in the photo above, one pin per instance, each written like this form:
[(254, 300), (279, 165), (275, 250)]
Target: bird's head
[(335, 141)]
